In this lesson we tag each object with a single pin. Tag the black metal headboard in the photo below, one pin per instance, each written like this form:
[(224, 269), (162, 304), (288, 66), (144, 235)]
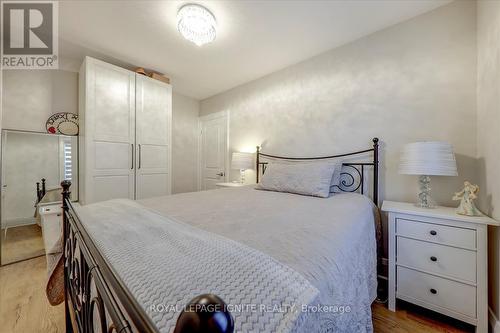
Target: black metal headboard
[(40, 192), (352, 175)]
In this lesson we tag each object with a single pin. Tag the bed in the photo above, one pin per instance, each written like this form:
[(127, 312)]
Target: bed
[(324, 250)]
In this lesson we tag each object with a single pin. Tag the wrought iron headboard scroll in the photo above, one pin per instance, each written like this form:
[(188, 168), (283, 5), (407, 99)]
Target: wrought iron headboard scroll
[(353, 173)]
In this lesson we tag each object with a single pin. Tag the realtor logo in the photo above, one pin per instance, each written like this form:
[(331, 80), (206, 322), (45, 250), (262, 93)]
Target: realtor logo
[(29, 37)]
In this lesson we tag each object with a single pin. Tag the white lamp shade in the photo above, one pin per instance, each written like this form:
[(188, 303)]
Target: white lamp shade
[(428, 158), (242, 161)]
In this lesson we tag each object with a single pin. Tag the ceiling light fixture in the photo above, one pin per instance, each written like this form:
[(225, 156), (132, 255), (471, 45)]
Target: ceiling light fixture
[(196, 24)]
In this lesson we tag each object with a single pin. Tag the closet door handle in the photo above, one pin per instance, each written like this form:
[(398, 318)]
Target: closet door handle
[(139, 156), (132, 148)]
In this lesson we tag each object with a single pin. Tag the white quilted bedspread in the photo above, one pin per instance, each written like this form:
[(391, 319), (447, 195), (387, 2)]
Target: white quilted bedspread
[(331, 242), (165, 263)]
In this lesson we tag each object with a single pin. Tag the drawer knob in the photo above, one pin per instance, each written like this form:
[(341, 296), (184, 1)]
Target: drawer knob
[(433, 232), (434, 258), (433, 291)]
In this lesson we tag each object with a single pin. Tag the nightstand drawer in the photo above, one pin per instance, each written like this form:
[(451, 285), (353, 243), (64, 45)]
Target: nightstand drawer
[(440, 292), (439, 259), (437, 233)]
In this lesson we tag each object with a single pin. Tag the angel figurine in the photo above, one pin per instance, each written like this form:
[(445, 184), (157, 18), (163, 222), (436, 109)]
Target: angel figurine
[(466, 197)]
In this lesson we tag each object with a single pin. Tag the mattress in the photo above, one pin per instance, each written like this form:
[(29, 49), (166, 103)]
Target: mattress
[(331, 242)]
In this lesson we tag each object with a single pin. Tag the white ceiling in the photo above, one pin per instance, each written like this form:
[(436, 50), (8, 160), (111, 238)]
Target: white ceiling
[(254, 38)]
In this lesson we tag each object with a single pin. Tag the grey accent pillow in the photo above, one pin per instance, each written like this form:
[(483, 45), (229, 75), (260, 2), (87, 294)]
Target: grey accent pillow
[(336, 174), (312, 179)]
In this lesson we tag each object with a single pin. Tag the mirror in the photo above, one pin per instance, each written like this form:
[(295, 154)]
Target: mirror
[(33, 165)]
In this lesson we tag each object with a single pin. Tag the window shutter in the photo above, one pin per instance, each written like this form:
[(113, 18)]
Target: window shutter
[(68, 166)]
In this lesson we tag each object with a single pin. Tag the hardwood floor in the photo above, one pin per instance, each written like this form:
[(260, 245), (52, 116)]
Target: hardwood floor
[(23, 305), (412, 319), (24, 308), (21, 243)]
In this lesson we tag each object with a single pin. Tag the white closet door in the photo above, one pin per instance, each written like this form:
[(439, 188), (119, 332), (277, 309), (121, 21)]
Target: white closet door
[(153, 126), (110, 134)]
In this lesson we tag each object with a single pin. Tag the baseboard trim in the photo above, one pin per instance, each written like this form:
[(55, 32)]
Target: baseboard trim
[(19, 222), (493, 320)]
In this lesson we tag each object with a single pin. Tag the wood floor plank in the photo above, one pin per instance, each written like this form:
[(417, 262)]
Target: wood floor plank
[(23, 305), (412, 319), (20, 243)]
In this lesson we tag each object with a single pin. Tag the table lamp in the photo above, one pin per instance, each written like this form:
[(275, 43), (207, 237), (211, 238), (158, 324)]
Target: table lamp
[(426, 159), (242, 162)]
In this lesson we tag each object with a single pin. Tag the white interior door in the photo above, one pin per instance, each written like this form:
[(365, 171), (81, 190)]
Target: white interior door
[(110, 135), (153, 126), (213, 150)]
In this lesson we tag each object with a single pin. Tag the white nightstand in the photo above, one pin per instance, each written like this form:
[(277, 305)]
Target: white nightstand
[(438, 260), (221, 185)]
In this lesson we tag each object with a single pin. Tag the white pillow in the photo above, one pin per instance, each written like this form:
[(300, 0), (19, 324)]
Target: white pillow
[(336, 175), (312, 179)]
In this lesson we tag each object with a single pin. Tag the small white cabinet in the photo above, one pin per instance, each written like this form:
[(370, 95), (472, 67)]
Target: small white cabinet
[(438, 260), (125, 134), (230, 185)]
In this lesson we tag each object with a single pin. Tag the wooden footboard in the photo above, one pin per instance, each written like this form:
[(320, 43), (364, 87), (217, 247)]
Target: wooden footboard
[(96, 300)]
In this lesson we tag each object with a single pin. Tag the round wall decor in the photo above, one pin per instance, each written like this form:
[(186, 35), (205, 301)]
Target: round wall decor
[(65, 123)]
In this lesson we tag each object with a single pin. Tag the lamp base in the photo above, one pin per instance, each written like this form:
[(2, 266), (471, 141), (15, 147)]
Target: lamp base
[(424, 196), (242, 176)]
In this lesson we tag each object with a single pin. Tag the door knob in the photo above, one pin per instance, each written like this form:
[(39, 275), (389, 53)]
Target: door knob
[(220, 174)]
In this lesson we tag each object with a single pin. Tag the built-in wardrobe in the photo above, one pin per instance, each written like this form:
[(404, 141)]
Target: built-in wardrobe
[(125, 134)]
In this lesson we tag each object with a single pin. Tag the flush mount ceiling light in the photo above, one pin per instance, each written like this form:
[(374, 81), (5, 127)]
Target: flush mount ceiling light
[(196, 24)]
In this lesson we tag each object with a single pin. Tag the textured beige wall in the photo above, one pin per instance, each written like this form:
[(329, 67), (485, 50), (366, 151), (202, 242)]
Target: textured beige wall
[(30, 97), (413, 81), (185, 112), (488, 134)]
